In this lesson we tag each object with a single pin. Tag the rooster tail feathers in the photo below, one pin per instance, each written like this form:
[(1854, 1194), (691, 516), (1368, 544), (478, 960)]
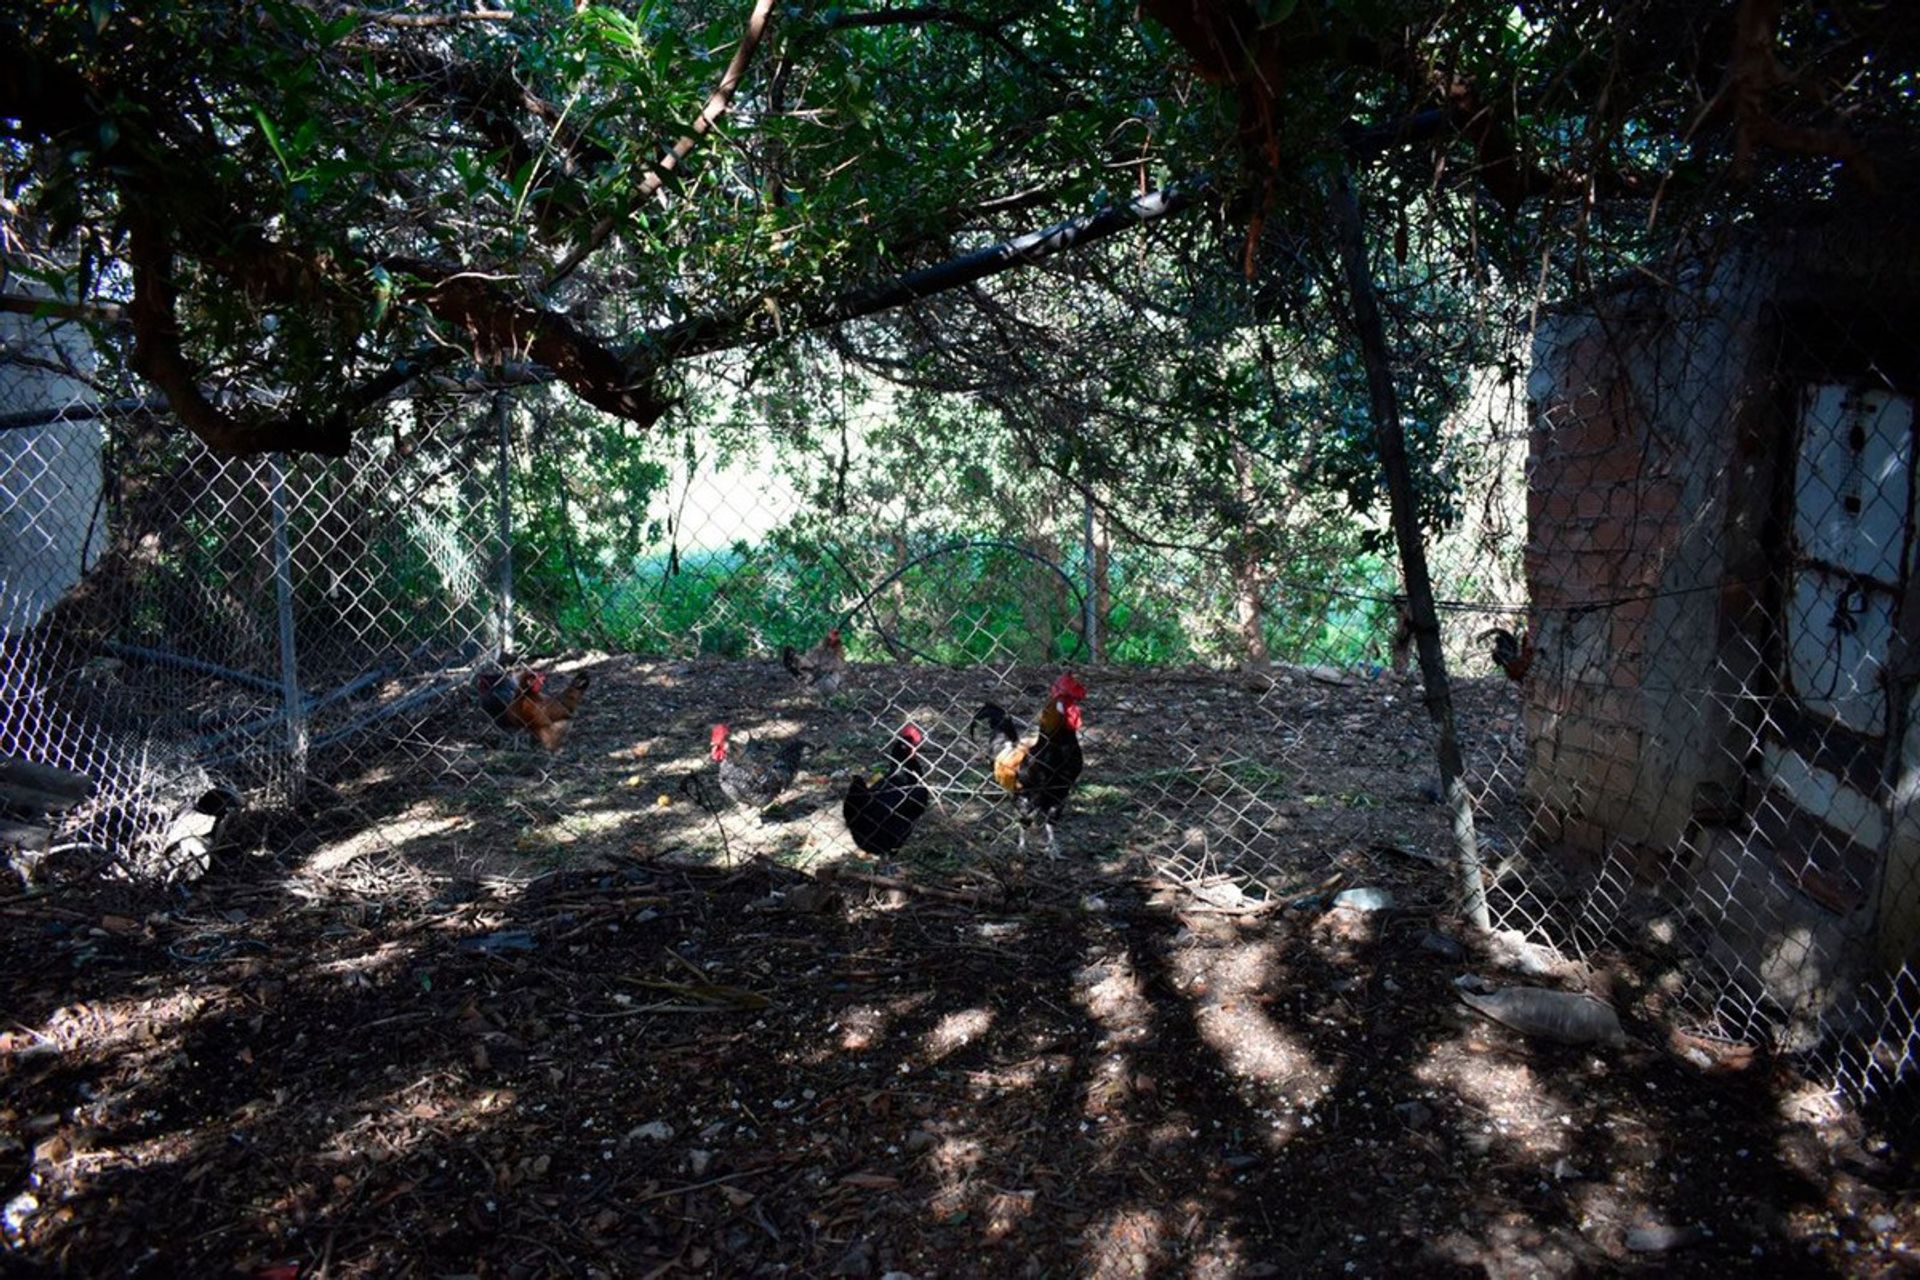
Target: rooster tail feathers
[(791, 660), (694, 788), (998, 721), (570, 696)]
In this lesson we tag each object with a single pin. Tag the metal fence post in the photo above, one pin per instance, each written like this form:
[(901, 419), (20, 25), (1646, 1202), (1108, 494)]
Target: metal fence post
[(502, 422), (1091, 605), (294, 700)]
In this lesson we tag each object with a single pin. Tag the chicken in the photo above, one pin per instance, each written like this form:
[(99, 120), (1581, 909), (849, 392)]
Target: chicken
[(545, 717), (496, 692), (748, 778), (1512, 654), (1039, 773), (822, 668), (881, 814)]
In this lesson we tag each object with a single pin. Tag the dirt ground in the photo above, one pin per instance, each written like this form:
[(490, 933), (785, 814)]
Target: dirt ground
[(485, 1012)]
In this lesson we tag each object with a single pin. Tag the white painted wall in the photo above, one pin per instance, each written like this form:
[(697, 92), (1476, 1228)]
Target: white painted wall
[(50, 476)]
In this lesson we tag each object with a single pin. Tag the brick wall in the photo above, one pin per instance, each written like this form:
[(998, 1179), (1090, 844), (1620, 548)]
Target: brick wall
[(1634, 489)]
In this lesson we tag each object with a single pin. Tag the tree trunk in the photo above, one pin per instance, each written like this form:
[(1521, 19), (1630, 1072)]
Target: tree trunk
[(1249, 577), (1390, 440)]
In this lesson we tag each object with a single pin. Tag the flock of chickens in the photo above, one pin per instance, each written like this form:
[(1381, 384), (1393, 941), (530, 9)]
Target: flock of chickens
[(1037, 765)]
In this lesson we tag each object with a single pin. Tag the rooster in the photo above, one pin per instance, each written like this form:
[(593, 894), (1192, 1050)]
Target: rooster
[(821, 668), (495, 691), (1039, 773), (1512, 654), (881, 815), (545, 717), (747, 778)]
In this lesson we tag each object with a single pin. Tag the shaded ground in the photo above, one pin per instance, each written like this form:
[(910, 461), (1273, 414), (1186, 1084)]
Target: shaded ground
[(515, 1024)]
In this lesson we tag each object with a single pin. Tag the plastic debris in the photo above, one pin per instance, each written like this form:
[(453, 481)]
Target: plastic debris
[(504, 940), (1364, 899), (1549, 1015)]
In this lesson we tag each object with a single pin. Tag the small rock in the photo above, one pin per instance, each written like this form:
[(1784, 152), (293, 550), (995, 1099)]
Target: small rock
[(920, 1140), (1882, 1223), (18, 1213), (699, 1161), (653, 1131), (1439, 944), (1564, 1170), (1414, 1113), (1661, 1239), (856, 1261)]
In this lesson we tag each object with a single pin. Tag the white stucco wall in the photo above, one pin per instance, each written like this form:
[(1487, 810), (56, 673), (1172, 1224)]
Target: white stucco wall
[(50, 476)]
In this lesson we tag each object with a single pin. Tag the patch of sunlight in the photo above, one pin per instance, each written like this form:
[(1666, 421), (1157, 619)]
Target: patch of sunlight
[(1006, 1211), (955, 1031), (1227, 988), (413, 1114), (110, 1026), (1521, 1112), (1171, 1135), (956, 1159), (416, 824), (357, 968), (584, 826), (1017, 1076), (1130, 1243), (1108, 1087), (1111, 990), (1218, 1252), (862, 1026)]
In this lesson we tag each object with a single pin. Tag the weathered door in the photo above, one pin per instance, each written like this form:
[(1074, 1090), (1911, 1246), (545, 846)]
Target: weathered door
[(1827, 761)]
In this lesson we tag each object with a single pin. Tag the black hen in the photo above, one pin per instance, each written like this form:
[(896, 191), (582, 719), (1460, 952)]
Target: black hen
[(496, 694), (747, 777), (881, 815)]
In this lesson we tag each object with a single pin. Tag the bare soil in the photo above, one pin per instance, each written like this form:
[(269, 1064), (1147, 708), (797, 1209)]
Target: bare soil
[(482, 1011)]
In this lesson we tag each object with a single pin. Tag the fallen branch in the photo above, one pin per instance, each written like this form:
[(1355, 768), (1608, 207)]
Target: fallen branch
[(926, 890), (664, 1192)]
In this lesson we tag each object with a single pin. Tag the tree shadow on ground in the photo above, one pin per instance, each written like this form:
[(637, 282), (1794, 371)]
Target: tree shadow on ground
[(659, 1070)]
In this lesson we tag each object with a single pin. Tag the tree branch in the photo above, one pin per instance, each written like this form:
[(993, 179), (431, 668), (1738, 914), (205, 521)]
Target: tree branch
[(717, 105), (951, 17), (395, 18), (500, 328), (762, 318), (54, 308)]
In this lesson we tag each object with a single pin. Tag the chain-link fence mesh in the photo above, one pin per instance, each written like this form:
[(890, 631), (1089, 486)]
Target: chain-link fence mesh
[(1673, 601)]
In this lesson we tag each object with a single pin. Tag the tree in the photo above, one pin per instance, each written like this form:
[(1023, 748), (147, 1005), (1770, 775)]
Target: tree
[(298, 206)]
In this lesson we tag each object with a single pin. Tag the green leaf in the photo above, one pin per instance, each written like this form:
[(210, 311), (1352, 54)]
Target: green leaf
[(272, 136)]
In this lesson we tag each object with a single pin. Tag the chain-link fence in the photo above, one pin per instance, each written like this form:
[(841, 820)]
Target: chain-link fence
[(1718, 701), (1673, 599)]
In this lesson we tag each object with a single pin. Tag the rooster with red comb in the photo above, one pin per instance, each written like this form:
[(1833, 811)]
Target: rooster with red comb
[(1038, 771)]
